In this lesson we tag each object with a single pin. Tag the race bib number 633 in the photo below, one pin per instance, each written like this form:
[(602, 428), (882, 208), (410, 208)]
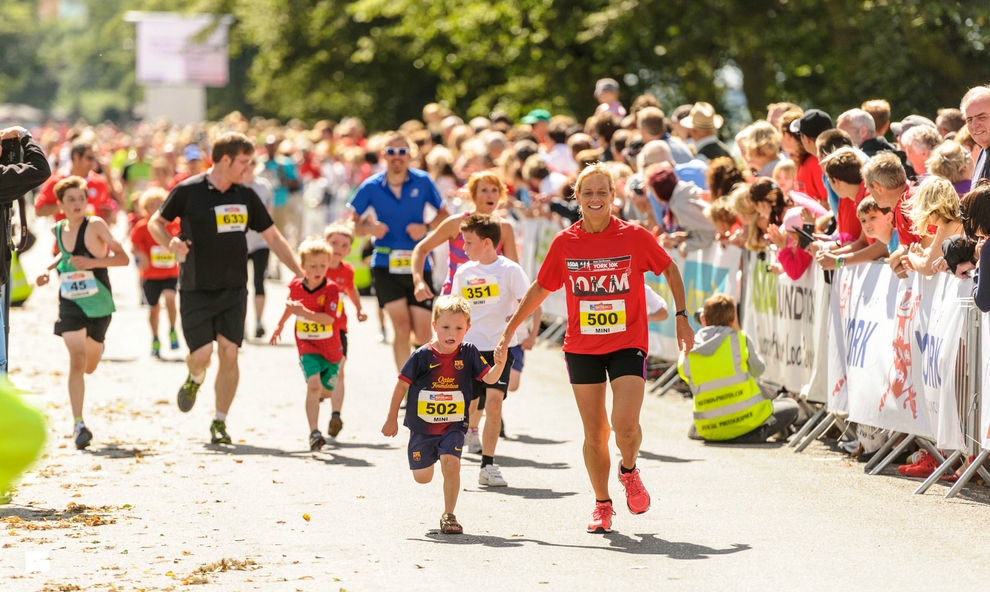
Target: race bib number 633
[(231, 218)]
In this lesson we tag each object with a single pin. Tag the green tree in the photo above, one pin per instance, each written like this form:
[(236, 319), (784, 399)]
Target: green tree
[(23, 76)]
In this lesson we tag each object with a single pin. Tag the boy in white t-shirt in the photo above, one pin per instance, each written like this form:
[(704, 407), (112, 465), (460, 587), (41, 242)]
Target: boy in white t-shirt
[(494, 286)]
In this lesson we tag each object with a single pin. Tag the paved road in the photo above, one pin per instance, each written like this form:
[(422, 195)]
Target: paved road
[(156, 506)]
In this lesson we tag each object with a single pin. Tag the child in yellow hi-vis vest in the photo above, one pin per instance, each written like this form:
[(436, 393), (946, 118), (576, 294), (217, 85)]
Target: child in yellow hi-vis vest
[(729, 406)]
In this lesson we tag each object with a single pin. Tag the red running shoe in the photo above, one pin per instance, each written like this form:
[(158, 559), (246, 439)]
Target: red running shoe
[(601, 518), (637, 498), (923, 467)]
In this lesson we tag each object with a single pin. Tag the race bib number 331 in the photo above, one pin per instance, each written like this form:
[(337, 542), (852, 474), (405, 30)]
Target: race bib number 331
[(310, 331), (231, 218), (603, 317), (440, 406)]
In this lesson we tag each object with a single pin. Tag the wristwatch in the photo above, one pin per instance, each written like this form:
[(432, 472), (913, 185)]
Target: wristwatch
[(24, 134), (839, 262), (681, 313)]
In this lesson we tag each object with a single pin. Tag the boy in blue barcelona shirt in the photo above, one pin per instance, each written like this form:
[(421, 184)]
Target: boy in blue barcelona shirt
[(438, 380)]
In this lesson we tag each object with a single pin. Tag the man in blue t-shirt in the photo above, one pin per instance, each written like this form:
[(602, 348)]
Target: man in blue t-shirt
[(400, 197)]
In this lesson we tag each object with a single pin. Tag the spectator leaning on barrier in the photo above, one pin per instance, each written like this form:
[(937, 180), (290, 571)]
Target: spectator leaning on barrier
[(886, 181), (729, 407), (935, 204), (976, 108)]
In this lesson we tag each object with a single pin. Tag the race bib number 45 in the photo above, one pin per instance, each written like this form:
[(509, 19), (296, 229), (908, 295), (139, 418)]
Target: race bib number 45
[(400, 262), (481, 291), (310, 331), (77, 284), (231, 218), (440, 406), (602, 317)]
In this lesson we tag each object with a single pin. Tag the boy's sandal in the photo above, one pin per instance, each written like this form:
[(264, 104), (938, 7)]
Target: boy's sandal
[(449, 525)]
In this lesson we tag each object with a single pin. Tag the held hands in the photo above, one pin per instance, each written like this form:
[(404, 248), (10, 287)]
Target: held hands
[(423, 291), (685, 334)]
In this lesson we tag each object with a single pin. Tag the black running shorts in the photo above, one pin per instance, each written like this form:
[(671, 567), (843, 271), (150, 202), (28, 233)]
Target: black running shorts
[(596, 369)]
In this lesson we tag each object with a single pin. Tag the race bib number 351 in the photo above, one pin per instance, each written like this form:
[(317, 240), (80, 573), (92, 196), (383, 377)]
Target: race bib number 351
[(440, 406), (231, 218), (77, 284), (480, 291), (400, 262), (603, 317)]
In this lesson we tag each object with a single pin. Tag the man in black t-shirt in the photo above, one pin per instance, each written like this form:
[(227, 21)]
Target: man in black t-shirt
[(215, 213)]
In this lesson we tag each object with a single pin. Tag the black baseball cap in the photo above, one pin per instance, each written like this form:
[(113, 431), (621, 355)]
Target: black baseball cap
[(811, 124)]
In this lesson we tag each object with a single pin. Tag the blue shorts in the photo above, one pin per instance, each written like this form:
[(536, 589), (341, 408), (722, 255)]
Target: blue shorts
[(425, 449), (518, 357)]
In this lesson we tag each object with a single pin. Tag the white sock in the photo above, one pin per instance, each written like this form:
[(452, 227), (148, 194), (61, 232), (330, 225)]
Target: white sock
[(198, 379), (220, 416)]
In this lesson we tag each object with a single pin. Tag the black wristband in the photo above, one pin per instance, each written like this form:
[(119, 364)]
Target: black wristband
[(681, 313)]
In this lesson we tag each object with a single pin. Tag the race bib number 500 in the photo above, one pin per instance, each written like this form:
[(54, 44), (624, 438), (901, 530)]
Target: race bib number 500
[(602, 317), (440, 406), (231, 218)]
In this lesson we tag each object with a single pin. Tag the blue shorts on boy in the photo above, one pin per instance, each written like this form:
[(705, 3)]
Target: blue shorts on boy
[(440, 390)]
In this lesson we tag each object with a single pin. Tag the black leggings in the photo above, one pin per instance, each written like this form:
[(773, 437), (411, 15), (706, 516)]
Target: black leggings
[(259, 259)]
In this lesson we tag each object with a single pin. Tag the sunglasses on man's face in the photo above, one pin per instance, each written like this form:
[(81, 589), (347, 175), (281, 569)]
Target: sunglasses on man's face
[(396, 151)]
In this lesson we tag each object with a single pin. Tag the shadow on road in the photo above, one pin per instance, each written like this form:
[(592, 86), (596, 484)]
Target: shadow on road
[(326, 456), (114, 451), (643, 454), (646, 544), (509, 461), (526, 493), (523, 439)]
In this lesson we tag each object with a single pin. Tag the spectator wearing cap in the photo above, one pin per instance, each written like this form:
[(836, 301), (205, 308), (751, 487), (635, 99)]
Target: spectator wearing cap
[(193, 155), (976, 108), (899, 127), (807, 128), (539, 122), (652, 126), (685, 224), (861, 127), (704, 124), (607, 95), (918, 143), (949, 121)]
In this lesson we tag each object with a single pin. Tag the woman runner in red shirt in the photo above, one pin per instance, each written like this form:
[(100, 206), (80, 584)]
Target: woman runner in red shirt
[(601, 260)]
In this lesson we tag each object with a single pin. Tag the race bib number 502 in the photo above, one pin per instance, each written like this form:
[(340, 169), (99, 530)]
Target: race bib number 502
[(231, 218)]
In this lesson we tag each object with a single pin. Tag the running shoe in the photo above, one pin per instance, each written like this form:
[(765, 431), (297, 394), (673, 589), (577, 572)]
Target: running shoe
[(259, 331), (173, 338), (218, 432), (492, 477), (82, 435), (156, 347), (923, 467), (316, 440), (637, 498), (335, 425), (187, 394), (601, 518), (472, 441)]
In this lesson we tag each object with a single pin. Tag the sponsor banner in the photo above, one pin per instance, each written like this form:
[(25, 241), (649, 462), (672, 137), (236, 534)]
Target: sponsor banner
[(938, 351), (704, 272), (985, 381), (784, 318)]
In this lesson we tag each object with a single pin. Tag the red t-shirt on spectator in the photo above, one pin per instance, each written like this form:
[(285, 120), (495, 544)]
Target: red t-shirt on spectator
[(809, 179), (847, 221), (161, 262), (905, 233), (97, 194), (603, 277)]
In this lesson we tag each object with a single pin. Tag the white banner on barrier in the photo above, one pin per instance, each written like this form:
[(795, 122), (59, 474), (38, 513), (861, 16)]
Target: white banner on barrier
[(936, 345), (704, 272), (785, 319), (985, 381)]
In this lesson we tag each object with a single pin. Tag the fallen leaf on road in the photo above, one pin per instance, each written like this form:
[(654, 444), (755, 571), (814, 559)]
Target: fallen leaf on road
[(77, 495), (187, 553), (306, 517), (170, 574), (96, 468), (280, 522), (306, 578), (238, 461)]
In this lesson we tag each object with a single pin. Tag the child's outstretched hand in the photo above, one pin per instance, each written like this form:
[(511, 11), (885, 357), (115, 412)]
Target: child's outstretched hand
[(391, 427), (362, 316), (276, 335), (295, 307), (43, 278)]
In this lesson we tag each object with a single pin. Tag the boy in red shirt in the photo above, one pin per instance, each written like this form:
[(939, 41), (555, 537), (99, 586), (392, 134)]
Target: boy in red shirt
[(159, 271), (315, 300), (340, 237)]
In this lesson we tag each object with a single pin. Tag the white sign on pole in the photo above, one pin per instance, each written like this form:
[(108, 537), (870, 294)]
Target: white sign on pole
[(177, 49)]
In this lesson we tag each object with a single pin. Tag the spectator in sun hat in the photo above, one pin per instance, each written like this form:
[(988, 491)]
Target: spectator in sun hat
[(704, 124), (607, 94), (675, 124)]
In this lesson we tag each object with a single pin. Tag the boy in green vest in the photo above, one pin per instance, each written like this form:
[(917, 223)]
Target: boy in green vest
[(729, 406), (85, 303)]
